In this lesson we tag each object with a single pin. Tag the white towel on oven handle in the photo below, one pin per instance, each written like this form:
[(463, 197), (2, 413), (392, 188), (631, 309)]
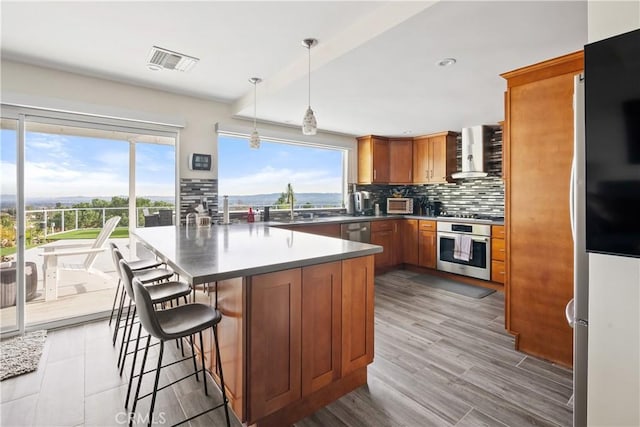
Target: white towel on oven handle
[(463, 247)]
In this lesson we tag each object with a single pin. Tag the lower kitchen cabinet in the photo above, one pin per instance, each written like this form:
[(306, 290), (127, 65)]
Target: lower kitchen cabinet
[(357, 313), (321, 319), (498, 254), (388, 234), (427, 248), (329, 230), (327, 310), (274, 357), (408, 241)]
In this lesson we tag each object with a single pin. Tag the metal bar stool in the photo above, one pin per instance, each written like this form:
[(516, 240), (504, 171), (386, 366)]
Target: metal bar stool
[(146, 276), (163, 292), (137, 265), (176, 323), (160, 294)]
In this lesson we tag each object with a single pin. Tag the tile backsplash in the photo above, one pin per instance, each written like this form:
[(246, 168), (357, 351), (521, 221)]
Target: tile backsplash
[(195, 191), (469, 196), (483, 196)]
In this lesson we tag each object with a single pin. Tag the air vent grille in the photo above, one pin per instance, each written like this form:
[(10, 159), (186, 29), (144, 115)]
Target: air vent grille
[(160, 58)]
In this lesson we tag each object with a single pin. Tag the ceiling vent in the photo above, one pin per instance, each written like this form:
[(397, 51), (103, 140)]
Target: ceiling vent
[(160, 58)]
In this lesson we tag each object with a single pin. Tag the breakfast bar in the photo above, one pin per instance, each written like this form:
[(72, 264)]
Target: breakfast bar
[(297, 327)]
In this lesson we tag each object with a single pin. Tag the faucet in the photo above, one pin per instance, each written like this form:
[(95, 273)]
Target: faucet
[(289, 193)]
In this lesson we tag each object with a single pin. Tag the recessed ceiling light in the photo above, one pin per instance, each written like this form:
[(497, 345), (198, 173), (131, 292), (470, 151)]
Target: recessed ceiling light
[(153, 67), (445, 62), (407, 132)]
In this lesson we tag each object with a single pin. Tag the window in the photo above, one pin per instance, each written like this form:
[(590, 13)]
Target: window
[(257, 178), (63, 177)]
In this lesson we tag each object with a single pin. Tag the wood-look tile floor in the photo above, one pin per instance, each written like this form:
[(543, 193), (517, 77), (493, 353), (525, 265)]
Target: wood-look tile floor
[(441, 359)]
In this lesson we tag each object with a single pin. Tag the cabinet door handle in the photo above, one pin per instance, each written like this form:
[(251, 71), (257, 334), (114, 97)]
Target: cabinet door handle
[(374, 174)]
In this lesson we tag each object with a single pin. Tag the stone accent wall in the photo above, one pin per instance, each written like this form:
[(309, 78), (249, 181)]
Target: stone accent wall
[(195, 191)]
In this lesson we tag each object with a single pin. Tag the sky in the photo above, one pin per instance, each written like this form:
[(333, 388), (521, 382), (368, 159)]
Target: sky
[(246, 171), (69, 166)]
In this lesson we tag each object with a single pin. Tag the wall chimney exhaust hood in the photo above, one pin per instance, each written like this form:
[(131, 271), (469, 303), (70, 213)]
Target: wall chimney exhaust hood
[(472, 153)]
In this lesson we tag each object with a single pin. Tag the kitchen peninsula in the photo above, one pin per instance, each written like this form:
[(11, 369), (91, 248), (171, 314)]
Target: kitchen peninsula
[(297, 327)]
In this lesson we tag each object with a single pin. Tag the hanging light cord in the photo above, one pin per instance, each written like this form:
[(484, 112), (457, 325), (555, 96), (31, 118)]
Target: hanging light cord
[(255, 100), (309, 62)]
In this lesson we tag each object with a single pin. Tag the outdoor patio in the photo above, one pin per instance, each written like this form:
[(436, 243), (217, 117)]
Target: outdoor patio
[(79, 293)]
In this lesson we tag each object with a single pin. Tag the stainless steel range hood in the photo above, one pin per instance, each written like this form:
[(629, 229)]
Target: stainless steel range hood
[(472, 153)]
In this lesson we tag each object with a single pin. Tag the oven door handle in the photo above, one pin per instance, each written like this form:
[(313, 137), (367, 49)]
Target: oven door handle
[(453, 236)]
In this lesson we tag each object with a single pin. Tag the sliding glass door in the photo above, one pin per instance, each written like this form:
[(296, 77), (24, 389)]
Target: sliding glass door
[(84, 186), (11, 281)]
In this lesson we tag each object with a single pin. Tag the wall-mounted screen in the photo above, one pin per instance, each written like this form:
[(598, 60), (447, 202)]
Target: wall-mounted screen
[(612, 132)]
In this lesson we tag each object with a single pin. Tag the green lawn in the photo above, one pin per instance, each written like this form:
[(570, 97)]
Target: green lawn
[(12, 250), (87, 233)]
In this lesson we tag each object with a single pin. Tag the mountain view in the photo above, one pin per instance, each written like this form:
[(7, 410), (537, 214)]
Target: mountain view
[(313, 199), (8, 201)]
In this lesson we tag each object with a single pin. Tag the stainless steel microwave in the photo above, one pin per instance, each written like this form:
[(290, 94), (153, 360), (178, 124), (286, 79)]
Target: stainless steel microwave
[(399, 205)]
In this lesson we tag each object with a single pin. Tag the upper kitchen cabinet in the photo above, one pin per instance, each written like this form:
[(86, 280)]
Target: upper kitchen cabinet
[(401, 160), (434, 158), (539, 248), (373, 160)]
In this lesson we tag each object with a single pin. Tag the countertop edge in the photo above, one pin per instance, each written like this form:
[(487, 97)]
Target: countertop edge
[(371, 249), (349, 219)]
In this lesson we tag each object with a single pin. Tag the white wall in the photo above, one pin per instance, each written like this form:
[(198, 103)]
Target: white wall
[(45, 87), (614, 287)]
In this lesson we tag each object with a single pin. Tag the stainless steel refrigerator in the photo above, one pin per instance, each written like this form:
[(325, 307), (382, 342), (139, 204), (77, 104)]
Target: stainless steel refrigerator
[(577, 310)]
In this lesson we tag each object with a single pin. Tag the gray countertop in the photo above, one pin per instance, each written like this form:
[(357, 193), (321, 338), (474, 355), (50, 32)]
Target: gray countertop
[(349, 218), (220, 252)]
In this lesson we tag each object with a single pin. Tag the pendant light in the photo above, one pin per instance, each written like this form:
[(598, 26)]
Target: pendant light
[(309, 124), (254, 141)]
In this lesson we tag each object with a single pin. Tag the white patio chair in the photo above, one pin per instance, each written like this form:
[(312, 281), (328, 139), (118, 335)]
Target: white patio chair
[(91, 249)]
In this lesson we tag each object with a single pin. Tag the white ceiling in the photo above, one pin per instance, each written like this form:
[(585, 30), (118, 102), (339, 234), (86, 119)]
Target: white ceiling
[(373, 70)]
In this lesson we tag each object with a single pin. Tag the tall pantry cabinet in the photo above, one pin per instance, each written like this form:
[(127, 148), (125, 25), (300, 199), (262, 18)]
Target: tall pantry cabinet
[(538, 153)]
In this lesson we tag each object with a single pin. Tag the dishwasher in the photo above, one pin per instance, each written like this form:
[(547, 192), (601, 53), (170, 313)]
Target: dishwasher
[(356, 231)]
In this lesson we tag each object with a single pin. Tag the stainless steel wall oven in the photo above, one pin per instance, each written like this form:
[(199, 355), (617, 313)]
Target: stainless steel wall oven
[(478, 263)]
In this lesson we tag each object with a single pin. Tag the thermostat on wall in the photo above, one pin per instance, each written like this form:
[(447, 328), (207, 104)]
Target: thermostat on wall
[(200, 162)]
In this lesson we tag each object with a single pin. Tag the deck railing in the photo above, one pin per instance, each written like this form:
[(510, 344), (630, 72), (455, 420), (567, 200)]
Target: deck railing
[(52, 221)]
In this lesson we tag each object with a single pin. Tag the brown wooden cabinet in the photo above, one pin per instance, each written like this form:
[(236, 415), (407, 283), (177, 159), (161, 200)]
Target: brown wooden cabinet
[(321, 319), (497, 254), (357, 313), (427, 247), (384, 233), (409, 241), (373, 160), (274, 357), (309, 338), (400, 160), (231, 337), (434, 158), (329, 230), (538, 150)]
